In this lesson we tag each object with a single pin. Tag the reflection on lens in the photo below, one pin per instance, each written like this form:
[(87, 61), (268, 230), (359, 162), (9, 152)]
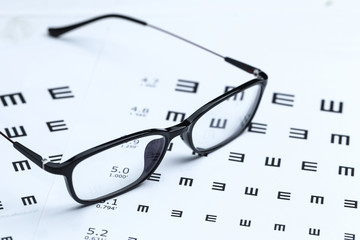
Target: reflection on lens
[(226, 119), (117, 167)]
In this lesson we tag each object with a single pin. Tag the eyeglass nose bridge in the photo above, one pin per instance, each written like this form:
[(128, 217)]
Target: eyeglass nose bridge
[(183, 130), (179, 129)]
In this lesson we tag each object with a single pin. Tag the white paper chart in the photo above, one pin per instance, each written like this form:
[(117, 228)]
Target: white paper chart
[(293, 174)]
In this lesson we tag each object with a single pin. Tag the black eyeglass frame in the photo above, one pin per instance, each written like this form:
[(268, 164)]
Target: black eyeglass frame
[(184, 129)]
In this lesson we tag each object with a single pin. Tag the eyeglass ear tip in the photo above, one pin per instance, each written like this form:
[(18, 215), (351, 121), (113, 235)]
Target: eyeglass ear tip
[(54, 32)]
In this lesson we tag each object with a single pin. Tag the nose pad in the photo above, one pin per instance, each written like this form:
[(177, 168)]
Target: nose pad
[(153, 152), (186, 137)]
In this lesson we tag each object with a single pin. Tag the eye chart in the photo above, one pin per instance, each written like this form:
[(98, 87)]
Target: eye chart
[(293, 174)]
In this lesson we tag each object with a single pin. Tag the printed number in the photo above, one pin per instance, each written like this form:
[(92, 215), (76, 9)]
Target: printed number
[(125, 170), (130, 144), (142, 112), (149, 83), (91, 231), (113, 203), (104, 233)]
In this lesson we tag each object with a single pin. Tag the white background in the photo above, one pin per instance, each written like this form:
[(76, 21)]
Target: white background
[(309, 49)]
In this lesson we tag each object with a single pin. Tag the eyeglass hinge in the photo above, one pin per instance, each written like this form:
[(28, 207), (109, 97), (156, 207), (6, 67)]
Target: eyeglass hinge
[(260, 74), (44, 161)]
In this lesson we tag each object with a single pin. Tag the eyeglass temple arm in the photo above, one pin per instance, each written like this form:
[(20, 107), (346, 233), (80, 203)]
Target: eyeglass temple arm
[(33, 156), (56, 32)]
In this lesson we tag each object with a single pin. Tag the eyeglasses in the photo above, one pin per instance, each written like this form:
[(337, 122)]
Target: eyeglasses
[(122, 164)]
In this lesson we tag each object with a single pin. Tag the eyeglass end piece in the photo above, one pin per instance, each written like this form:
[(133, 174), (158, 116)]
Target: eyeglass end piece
[(263, 75), (31, 155), (250, 69)]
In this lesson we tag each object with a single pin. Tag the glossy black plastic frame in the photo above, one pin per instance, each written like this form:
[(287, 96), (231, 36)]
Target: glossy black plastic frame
[(183, 129)]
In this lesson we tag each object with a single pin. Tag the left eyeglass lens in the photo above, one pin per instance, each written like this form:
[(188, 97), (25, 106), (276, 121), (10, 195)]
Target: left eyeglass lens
[(116, 168)]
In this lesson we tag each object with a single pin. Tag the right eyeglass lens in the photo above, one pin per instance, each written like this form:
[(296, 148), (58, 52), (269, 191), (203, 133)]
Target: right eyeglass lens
[(116, 168), (225, 120)]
